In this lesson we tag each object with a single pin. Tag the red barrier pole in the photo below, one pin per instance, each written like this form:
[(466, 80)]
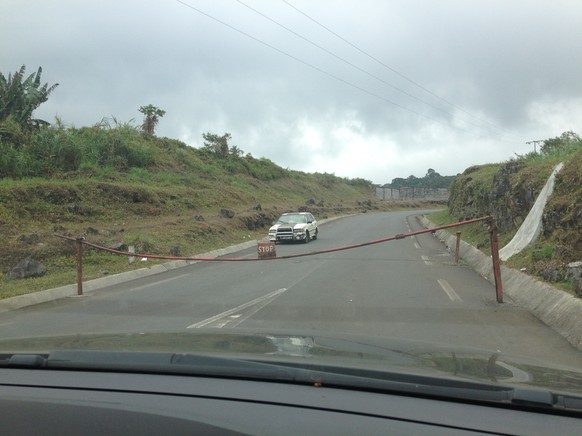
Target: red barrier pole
[(495, 259), (291, 256), (79, 266)]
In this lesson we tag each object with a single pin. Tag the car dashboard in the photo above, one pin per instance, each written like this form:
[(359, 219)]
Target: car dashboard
[(108, 402)]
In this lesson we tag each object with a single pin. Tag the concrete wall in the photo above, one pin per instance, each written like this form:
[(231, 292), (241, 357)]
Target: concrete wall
[(434, 194)]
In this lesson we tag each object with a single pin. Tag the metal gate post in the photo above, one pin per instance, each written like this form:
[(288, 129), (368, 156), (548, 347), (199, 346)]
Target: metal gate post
[(79, 266), (495, 259), (457, 248)]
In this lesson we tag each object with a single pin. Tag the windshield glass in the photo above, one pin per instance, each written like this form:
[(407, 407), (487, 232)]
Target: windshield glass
[(292, 219), (430, 150)]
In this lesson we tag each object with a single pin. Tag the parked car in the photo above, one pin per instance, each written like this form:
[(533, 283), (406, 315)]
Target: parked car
[(295, 226)]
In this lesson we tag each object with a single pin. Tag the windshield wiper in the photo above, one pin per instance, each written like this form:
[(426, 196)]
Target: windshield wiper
[(319, 375), (150, 362)]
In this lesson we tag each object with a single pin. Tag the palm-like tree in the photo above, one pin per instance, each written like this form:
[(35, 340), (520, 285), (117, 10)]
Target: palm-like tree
[(151, 117), (19, 97)]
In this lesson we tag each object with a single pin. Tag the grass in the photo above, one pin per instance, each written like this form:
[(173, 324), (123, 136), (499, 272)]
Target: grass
[(475, 234)]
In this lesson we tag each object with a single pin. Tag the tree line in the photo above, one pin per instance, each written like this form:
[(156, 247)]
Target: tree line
[(432, 179)]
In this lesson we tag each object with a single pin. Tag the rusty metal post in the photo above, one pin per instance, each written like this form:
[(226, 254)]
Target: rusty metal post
[(79, 266), (495, 259), (458, 246)]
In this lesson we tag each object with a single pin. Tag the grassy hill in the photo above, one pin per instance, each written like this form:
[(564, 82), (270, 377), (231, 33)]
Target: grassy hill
[(118, 187)]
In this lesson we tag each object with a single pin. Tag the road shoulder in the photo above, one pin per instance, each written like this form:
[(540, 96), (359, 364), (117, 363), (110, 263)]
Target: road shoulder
[(554, 307)]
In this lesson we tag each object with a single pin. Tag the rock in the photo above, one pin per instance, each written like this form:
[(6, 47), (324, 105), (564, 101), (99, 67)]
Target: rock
[(551, 274), (573, 270), (197, 217), (119, 246), (365, 203), (26, 268), (29, 238), (226, 213), (257, 221), (175, 250), (258, 207), (310, 202), (577, 287), (75, 209)]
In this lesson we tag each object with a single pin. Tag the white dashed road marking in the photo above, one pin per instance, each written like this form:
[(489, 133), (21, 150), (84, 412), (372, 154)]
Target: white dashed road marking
[(236, 315), (415, 241), (449, 290)]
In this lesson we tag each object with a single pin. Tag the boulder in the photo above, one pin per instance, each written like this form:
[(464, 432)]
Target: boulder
[(577, 287), (26, 268), (29, 238), (551, 274), (226, 213), (119, 246), (573, 270)]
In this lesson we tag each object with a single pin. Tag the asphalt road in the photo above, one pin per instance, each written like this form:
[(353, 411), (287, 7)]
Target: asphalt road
[(407, 289)]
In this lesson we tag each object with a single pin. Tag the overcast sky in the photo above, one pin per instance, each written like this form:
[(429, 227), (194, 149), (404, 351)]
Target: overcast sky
[(365, 88)]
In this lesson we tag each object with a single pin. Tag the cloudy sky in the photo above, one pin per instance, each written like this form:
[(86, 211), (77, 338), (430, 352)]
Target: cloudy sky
[(365, 88)]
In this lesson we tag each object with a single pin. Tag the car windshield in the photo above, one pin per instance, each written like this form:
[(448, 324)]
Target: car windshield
[(292, 219), (150, 151)]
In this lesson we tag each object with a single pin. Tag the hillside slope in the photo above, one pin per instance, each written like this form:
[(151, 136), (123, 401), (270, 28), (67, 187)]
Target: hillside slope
[(508, 190)]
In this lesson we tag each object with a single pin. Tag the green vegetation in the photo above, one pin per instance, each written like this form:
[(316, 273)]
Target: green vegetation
[(19, 97), (151, 117), (475, 234)]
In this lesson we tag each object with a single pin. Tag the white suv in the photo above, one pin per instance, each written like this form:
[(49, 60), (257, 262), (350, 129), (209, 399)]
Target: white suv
[(295, 226)]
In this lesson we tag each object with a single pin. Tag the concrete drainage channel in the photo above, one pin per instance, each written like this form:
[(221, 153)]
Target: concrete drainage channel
[(557, 309), (91, 286)]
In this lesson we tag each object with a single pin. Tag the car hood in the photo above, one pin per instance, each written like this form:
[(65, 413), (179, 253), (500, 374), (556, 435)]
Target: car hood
[(294, 226), (305, 348)]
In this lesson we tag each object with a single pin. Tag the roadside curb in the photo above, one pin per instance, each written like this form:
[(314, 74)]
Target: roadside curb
[(554, 307), (90, 286)]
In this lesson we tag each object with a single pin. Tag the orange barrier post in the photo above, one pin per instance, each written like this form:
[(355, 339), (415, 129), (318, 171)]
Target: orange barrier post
[(495, 259), (79, 242), (458, 246)]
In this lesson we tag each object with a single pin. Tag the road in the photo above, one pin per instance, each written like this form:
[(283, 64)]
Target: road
[(408, 289)]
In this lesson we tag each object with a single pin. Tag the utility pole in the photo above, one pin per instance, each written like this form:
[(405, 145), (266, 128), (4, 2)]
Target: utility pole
[(535, 143)]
